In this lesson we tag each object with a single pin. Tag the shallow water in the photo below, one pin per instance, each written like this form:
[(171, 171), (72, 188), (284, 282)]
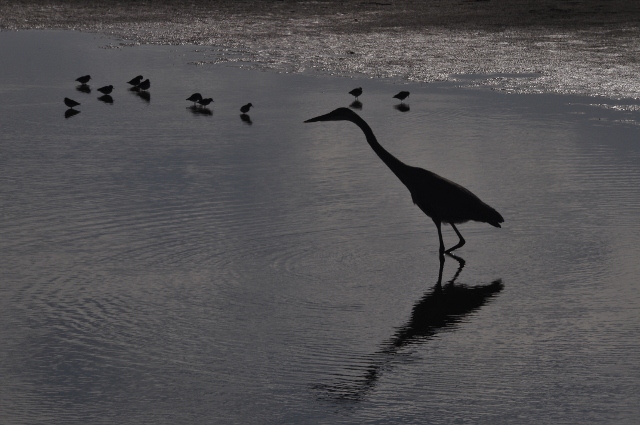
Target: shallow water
[(162, 266)]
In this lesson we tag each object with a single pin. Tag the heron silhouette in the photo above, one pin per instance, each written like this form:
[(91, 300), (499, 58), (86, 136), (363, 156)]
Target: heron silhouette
[(356, 92), (135, 81), (194, 98), (442, 200)]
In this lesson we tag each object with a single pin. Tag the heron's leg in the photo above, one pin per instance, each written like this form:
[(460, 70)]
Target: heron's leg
[(461, 242), (438, 226)]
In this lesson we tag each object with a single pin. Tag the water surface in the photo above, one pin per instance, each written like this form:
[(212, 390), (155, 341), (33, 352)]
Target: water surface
[(164, 266)]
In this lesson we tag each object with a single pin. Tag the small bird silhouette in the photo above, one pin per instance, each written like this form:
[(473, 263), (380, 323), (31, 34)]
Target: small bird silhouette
[(194, 98), (70, 103), (205, 102), (106, 89), (440, 199), (135, 81), (84, 79), (402, 95), (356, 92), (245, 108), (144, 85)]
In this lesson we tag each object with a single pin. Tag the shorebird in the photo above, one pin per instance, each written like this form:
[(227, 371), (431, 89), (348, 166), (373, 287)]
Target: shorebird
[(84, 79), (402, 95), (205, 102), (135, 81), (194, 98), (245, 108), (144, 85), (106, 89), (70, 103), (356, 92), (440, 199)]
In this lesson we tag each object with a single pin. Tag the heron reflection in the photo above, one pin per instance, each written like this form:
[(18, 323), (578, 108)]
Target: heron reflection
[(441, 308), (356, 104), (246, 119), (402, 107), (106, 99), (196, 110), (83, 88)]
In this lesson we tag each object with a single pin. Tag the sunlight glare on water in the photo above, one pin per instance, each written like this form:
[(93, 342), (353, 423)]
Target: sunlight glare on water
[(164, 266)]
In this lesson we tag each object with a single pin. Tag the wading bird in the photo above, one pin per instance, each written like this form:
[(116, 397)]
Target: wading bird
[(356, 92), (194, 98), (205, 102), (442, 200), (402, 96), (135, 81), (144, 85), (70, 103), (84, 79), (245, 108), (106, 89)]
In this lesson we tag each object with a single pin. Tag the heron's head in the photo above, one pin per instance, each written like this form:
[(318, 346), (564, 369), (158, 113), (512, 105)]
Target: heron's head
[(340, 114)]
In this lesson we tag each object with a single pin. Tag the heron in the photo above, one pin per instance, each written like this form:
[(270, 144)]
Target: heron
[(144, 85), (70, 103), (135, 81), (194, 98), (439, 198), (402, 96), (84, 79), (106, 89), (205, 102), (356, 92), (245, 108)]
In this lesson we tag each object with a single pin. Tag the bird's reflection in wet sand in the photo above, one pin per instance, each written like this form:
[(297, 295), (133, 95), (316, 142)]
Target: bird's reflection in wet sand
[(246, 119), (142, 94), (70, 112), (356, 104), (402, 107), (83, 88), (197, 110), (439, 309), (106, 99)]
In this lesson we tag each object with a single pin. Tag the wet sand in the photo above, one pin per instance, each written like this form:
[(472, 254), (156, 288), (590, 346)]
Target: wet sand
[(587, 47)]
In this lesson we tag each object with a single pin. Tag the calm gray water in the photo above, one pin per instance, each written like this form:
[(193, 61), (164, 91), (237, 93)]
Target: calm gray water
[(161, 266)]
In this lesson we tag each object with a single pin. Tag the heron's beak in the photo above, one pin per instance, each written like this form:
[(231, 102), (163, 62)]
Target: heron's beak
[(324, 117)]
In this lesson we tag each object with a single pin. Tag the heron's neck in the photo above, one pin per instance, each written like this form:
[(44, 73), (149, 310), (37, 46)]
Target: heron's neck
[(391, 161)]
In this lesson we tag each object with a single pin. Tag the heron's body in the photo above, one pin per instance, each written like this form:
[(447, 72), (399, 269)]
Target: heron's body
[(245, 108), (356, 92), (439, 198), (135, 81), (70, 102), (106, 89), (205, 102), (84, 79)]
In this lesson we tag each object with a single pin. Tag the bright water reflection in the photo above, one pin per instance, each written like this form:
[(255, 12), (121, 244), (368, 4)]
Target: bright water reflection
[(161, 266)]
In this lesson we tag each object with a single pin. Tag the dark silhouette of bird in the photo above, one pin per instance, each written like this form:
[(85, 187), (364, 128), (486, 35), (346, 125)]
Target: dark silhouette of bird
[(106, 89), (442, 200), (205, 102), (194, 98), (135, 81), (144, 85), (70, 103), (402, 96), (356, 92), (84, 79), (245, 108)]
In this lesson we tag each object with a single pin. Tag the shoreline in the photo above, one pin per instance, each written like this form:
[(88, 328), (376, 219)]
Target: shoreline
[(587, 48)]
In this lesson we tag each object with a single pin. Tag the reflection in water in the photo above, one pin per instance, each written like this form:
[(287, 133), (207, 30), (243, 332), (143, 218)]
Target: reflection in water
[(356, 104), (402, 107), (83, 88), (199, 111), (106, 99), (70, 112), (439, 309), (246, 118), (144, 95)]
